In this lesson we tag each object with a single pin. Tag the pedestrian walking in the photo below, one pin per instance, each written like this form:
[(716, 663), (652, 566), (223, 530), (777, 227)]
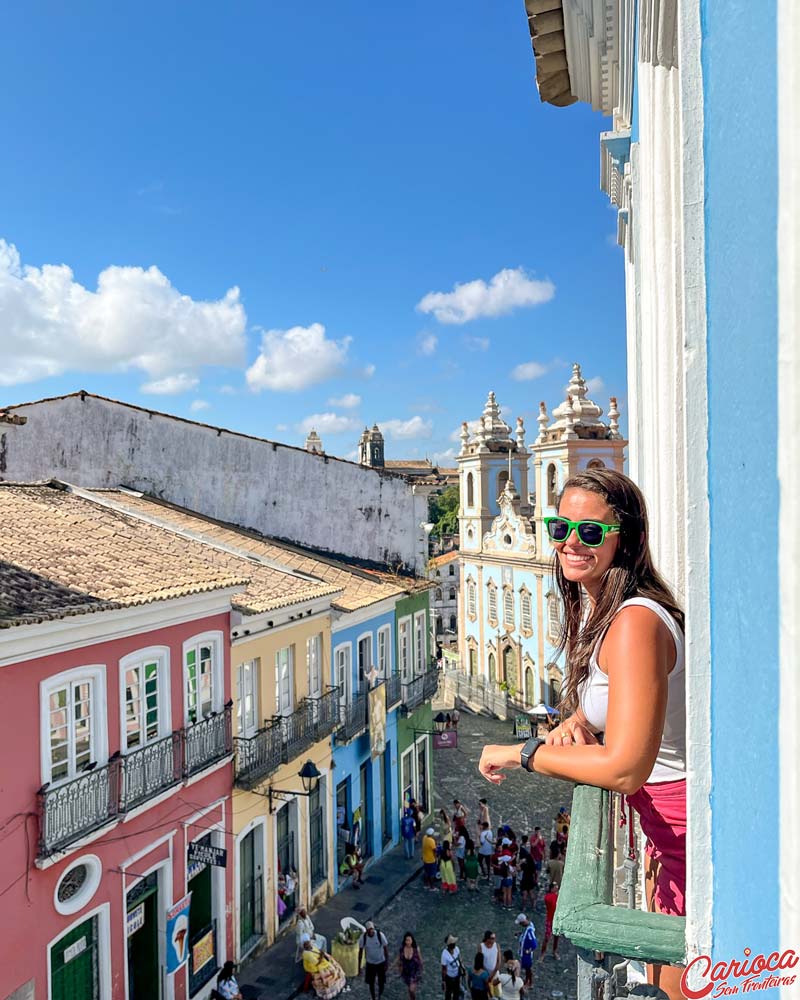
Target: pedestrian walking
[(460, 851), (485, 849), (455, 716), (479, 979), (408, 833), (483, 813), (375, 947), (471, 868), (429, 860), (446, 869), (506, 881), (550, 903), (451, 968), (527, 948), (555, 866), (491, 953), (410, 964)]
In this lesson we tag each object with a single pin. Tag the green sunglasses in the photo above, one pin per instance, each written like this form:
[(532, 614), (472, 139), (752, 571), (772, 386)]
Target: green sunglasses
[(590, 533)]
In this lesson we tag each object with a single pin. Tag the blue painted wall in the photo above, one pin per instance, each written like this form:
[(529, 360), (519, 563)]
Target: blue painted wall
[(740, 137)]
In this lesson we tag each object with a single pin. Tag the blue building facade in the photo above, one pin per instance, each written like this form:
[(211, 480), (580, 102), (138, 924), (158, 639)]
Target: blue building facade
[(509, 618), (365, 749)]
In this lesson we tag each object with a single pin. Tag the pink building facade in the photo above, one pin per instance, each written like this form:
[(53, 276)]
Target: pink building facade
[(117, 773)]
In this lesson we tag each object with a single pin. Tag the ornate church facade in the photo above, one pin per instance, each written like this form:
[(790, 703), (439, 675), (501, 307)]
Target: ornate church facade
[(509, 615)]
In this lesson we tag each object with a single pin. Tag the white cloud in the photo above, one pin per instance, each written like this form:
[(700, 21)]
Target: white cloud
[(477, 343), (527, 371), (427, 344), (472, 425), (595, 385), (228, 390), (509, 289), (368, 371), (171, 385), (347, 402), (296, 359), (281, 427), (445, 458), (136, 319), (405, 430), (199, 404), (328, 423)]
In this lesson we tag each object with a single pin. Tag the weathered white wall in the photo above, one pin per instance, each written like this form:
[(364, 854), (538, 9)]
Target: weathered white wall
[(322, 502)]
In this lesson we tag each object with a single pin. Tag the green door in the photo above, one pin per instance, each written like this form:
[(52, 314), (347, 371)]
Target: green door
[(74, 964), (144, 981)]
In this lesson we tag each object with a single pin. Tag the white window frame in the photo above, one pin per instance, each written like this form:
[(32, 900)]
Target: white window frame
[(251, 668), (420, 630), (472, 600), (508, 613), (491, 600), (384, 651), (138, 658), (405, 654), (213, 639), (553, 619), (286, 708), (96, 675), (314, 664), (370, 638), (525, 602), (343, 656)]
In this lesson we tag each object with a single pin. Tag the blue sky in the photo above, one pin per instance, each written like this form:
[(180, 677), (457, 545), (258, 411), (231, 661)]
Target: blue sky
[(336, 164)]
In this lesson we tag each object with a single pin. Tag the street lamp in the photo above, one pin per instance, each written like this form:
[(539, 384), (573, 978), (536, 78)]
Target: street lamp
[(439, 722), (309, 774)]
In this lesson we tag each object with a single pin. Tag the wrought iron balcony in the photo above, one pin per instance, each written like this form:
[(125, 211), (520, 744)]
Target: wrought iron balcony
[(394, 691), (585, 912), (78, 807), (413, 694), (150, 770), (298, 730), (353, 717), (430, 683), (258, 756), (325, 711), (208, 741)]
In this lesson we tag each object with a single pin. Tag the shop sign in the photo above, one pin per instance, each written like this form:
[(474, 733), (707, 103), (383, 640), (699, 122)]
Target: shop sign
[(74, 949), (445, 740), (205, 854), (135, 919)]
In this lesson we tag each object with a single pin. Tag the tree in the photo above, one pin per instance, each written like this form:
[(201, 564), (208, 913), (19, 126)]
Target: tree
[(444, 512)]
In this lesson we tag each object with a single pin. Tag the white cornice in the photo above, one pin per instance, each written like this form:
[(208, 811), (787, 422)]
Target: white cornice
[(591, 30), (27, 642), (347, 619)]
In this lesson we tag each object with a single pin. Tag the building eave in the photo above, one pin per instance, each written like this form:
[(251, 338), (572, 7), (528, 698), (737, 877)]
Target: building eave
[(546, 26)]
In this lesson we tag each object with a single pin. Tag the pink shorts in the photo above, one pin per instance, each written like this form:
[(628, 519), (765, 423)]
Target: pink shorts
[(662, 813)]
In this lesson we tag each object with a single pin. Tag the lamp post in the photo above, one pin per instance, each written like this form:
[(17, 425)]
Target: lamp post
[(309, 776)]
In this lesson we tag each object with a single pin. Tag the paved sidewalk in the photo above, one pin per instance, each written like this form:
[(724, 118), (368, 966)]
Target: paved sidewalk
[(274, 975)]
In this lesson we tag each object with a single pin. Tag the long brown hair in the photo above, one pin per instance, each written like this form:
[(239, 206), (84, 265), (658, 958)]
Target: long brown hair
[(632, 574)]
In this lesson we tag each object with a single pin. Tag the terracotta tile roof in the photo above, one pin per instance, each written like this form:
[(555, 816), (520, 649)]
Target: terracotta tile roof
[(88, 553), (445, 558), (26, 598), (358, 585), (411, 463)]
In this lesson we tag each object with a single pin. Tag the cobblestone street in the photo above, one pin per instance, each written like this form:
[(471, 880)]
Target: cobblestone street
[(523, 801)]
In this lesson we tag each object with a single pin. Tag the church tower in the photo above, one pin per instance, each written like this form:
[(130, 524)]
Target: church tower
[(370, 448), (486, 461), (314, 442)]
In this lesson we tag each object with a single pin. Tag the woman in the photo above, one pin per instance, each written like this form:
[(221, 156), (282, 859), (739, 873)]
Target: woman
[(555, 866), (446, 869), (623, 635), (511, 984), (479, 979), (445, 828), (461, 850), (303, 925), (491, 953), (227, 987), (410, 964), (327, 976)]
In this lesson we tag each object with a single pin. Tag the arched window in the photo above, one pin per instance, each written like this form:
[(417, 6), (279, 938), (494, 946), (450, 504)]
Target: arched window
[(525, 612), (491, 592), (471, 599), (492, 668), (473, 661), (595, 464), (508, 608), (452, 593), (502, 479), (529, 688), (554, 692), (439, 628), (510, 668), (452, 623), (470, 490), (552, 485), (553, 617), (452, 570), (438, 595)]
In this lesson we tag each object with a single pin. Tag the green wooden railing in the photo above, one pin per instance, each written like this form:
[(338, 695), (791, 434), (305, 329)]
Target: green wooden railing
[(585, 913)]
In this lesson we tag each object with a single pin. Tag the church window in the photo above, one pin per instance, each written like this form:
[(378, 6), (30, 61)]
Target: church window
[(471, 600), (438, 595), (473, 661), (452, 570), (508, 540), (470, 490), (492, 601), (492, 668), (452, 623), (508, 607), (525, 611), (439, 626), (502, 479), (452, 593), (553, 617), (552, 486)]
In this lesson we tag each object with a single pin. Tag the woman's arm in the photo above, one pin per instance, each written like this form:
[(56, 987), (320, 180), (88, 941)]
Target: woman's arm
[(637, 652)]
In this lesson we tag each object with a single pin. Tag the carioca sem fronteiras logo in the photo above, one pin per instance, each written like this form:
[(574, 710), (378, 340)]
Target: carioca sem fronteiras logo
[(717, 977)]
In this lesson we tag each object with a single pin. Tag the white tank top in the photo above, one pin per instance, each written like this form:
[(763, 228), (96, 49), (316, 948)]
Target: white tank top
[(670, 763)]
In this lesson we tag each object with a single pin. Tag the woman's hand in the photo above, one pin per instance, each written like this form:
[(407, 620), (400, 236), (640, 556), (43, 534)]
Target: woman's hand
[(571, 731), (496, 758)]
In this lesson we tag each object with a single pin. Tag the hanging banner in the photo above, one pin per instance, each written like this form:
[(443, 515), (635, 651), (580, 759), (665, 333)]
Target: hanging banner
[(445, 740), (377, 720), (178, 934)]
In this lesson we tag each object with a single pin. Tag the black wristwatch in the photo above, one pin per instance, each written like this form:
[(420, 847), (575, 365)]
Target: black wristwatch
[(528, 752)]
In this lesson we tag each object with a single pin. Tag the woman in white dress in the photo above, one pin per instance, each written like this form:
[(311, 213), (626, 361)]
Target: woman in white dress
[(304, 925)]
